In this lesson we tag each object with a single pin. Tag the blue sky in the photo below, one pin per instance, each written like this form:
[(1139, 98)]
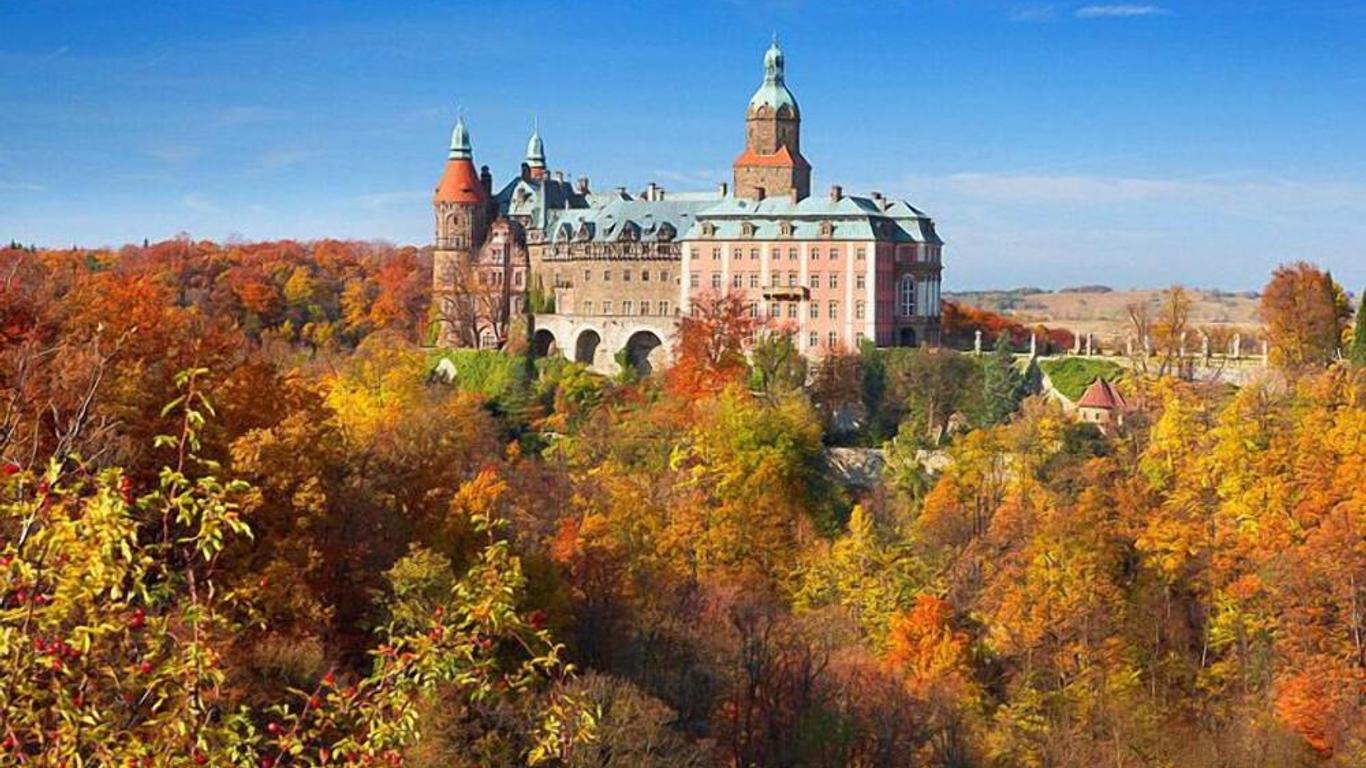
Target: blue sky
[(1056, 143)]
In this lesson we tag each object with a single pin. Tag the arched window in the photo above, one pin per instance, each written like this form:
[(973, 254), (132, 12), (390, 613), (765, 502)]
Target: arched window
[(907, 296)]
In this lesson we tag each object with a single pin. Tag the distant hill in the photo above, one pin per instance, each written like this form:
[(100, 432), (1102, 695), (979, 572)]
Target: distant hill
[(1101, 310)]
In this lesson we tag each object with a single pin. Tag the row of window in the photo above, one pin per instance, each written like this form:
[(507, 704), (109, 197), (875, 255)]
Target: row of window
[(813, 254), (626, 275), (496, 278), (628, 307), (775, 279), (790, 308)]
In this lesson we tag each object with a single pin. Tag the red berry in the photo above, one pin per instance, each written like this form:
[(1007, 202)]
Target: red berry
[(199, 758), (145, 667), (329, 679), (315, 702), (138, 619), (267, 762), (273, 728)]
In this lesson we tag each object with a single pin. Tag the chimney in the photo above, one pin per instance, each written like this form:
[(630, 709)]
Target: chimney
[(836, 193), (583, 185), (486, 178), (652, 191), (722, 189)]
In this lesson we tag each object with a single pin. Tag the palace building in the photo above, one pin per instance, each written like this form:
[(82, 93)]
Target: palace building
[(597, 273)]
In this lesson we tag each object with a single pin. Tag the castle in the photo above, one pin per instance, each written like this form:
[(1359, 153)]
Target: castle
[(596, 274)]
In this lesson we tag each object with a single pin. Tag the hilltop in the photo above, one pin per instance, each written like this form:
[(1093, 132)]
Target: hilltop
[(1102, 310)]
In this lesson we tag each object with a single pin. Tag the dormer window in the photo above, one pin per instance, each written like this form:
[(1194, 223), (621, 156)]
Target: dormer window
[(708, 229), (827, 229), (666, 232), (747, 229), (785, 229)]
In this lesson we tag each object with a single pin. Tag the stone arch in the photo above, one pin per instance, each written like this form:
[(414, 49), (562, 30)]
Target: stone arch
[(643, 350), (586, 346), (907, 338), (544, 343)]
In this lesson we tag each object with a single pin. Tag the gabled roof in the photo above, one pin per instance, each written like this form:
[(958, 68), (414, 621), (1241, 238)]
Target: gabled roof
[(1102, 394)]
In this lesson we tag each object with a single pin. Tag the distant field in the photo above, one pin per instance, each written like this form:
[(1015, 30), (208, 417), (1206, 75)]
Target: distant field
[(1101, 311)]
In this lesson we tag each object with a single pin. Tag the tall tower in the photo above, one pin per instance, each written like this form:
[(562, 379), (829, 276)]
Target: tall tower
[(461, 209), (772, 163)]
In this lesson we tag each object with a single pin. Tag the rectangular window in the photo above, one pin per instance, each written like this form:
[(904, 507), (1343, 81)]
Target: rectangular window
[(815, 280), (517, 278), (859, 309), (644, 275), (716, 280), (775, 279), (753, 309), (792, 310), (737, 281), (754, 254), (834, 279), (859, 254), (792, 254), (791, 279), (753, 279), (815, 310), (607, 307), (736, 253), (860, 281), (626, 275), (772, 309), (692, 253), (834, 253), (663, 275), (626, 307), (644, 307), (813, 340), (833, 309), (715, 254), (832, 340), (588, 307), (694, 280), (664, 308), (815, 254), (587, 275), (607, 275)]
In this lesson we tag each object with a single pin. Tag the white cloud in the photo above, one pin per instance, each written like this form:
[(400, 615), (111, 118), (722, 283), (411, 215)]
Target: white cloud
[(21, 186), (1034, 13), (200, 204), (1121, 10)]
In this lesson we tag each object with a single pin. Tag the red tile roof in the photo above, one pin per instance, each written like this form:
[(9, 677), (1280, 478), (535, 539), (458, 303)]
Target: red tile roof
[(460, 183), (780, 159), (1102, 394)]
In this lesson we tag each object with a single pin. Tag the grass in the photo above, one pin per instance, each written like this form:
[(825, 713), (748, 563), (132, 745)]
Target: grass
[(1072, 375)]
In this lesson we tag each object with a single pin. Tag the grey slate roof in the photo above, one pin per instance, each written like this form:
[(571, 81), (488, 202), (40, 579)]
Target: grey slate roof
[(644, 219), (853, 217)]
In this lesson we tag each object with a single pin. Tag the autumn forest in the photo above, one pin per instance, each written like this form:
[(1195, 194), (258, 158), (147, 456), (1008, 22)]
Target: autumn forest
[(246, 520)]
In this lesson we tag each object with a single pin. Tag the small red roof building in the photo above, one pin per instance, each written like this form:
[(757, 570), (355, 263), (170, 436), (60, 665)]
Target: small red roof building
[(1102, 394)]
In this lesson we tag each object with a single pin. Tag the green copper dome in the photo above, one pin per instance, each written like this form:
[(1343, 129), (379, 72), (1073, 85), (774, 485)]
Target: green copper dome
[(535, 149), (773, 93), (460, 141)]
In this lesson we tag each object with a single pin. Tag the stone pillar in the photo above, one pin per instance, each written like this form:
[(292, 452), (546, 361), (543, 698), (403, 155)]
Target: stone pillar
[(977, 342), (1076, 344), (1088, 345), (1237, 345), (1033, 345), (1204, 346)]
